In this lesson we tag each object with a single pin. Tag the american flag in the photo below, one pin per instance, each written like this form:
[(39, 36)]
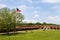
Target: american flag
[(18, 10)]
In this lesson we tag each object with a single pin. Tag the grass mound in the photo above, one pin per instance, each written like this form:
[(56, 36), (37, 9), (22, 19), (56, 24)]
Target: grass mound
[(35, 35)]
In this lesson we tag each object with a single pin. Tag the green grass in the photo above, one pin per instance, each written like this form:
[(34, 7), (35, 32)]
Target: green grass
[(36, 35)]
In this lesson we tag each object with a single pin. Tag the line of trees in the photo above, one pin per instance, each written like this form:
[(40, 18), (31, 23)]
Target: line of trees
[(37, 23), (9, 19)]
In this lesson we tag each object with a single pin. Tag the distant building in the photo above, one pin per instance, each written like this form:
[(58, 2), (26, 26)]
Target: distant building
[(49, 27), (46, 27)]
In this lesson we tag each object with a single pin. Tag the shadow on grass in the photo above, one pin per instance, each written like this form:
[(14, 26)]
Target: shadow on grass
[(11, 34)]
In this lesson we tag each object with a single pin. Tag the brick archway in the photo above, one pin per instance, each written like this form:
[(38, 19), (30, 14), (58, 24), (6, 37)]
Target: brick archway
[(51, 28)]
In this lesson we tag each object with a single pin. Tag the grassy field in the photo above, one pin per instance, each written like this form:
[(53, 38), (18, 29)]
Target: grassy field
[(35, 35)]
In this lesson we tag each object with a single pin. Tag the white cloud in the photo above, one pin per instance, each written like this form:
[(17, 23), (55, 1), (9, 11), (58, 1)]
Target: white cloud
[(3, 5), (36, 12), (23, 7), (51, 1), (56, 8), (36, 15), (29, 21), (30, 1), (54, 18), (33, 19)]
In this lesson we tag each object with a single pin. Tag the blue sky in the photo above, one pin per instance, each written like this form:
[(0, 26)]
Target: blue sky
[(36, 10)]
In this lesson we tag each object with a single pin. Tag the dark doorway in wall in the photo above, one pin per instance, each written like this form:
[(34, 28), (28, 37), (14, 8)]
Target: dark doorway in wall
[(51, 28), (57, 27), (41, 27), (54, 27)]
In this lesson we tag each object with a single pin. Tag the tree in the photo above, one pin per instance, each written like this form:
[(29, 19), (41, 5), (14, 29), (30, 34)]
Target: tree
[(16, 18), (9, 19), (30, 24), (44, 23), (37, 23)]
